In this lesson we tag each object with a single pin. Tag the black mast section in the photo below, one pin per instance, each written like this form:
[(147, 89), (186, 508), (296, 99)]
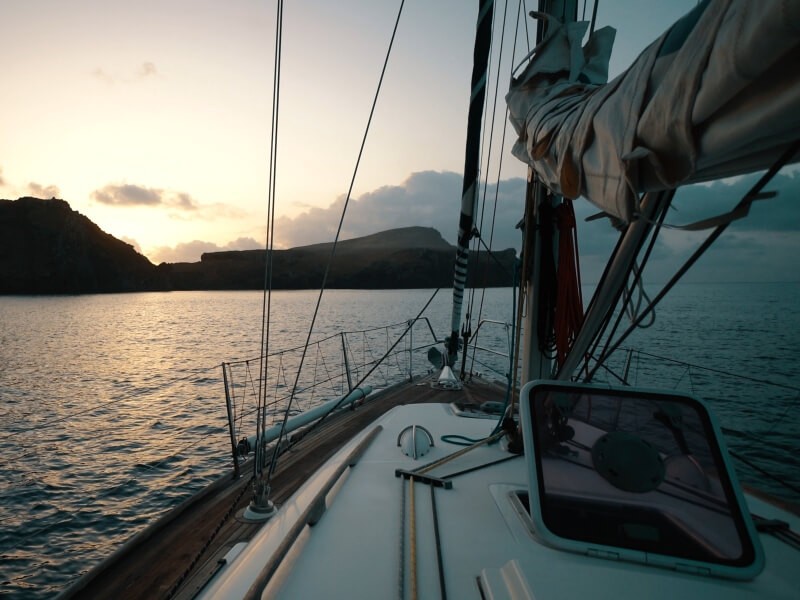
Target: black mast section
[(469, 194)]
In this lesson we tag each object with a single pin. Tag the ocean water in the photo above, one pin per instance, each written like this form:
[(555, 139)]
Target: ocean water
[(112, 407)]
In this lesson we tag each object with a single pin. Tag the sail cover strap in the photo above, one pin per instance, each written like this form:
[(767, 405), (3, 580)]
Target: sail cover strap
[(480, 62)]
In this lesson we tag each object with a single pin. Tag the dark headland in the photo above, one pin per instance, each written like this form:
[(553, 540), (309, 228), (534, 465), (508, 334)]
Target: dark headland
[(48, 248)]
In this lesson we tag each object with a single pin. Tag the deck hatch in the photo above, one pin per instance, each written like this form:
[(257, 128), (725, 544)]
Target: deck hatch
[(635, 474)]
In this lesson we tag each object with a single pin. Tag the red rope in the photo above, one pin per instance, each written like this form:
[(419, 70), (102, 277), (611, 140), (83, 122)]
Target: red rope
[(569, 301)]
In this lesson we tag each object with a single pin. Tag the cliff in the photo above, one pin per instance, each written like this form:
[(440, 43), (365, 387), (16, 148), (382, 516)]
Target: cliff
[(47, 248), (409, 257)]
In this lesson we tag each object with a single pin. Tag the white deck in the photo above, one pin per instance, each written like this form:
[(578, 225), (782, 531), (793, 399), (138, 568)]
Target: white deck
[(354, 549)]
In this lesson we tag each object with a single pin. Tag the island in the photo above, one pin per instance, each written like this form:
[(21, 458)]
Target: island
[(46, 247)]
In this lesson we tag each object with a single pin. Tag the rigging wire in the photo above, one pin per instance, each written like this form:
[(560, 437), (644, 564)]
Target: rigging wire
[(642, 297), (594, 17), (766, 382), (511, 378), (524, 4), (722, 372), (479, 239), (522, 280), (520, 274), (493, 106), (486, 142), (493, 255), (748, 198), (258, 464), (409, 325), (273, 462), (764, 472), (665, 197), (472, 164), (476, 236)]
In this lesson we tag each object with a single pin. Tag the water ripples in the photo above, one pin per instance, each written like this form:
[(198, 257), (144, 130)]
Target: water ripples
[(111, 420)]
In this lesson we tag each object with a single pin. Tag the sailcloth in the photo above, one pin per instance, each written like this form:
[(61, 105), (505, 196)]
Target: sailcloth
[(717, 95)]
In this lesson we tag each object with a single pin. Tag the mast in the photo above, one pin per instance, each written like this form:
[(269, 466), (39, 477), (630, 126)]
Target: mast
[(469, 193), (535, 361), (613, 142)]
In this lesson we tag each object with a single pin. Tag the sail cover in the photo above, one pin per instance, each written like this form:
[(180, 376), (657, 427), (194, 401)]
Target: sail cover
[(717, 95)]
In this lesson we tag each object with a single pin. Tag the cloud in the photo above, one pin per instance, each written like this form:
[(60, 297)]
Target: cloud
[(2, 181), (42, 191), (184, 202), (781, 213), (186, 209), (137, 195), (178, 205), (133, 243), (427, 198), (218, 210), (763, 247), (146, 70), (102, 75), (191, 251), (128, 195), (736, 256)]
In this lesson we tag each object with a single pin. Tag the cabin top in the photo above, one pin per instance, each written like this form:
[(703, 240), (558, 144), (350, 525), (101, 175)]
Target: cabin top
[(383, 518)]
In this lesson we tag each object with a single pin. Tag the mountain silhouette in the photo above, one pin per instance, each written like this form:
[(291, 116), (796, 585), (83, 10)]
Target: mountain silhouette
[(48, 248)]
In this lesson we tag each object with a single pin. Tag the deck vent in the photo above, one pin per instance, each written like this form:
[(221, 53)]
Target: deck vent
[(415, 441)]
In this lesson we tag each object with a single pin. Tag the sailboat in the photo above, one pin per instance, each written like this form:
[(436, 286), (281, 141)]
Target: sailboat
[(569, 487)]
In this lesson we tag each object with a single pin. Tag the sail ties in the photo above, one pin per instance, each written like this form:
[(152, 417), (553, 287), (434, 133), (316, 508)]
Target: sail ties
[(569, 301)]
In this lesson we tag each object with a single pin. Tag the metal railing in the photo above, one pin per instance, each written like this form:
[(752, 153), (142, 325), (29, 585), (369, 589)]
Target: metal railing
[(333, 366), (376, 357)]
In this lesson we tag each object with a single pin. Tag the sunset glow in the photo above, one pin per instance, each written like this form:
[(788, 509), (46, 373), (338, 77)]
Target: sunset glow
[(152, 118)]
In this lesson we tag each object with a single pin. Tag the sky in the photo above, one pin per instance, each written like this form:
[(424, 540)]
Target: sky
[(152, 118)]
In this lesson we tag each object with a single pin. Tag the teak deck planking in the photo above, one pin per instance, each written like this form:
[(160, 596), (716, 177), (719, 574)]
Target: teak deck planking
[(176, 555)]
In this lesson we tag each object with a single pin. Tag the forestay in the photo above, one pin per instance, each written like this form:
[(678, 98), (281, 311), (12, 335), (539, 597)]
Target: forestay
[(714, 96)]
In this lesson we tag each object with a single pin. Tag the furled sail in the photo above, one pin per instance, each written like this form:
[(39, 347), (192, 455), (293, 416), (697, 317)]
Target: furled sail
[(717, 95)]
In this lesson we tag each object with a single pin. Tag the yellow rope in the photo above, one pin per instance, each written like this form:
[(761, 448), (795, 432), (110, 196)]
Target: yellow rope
[(450, 457), (412, 520)]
